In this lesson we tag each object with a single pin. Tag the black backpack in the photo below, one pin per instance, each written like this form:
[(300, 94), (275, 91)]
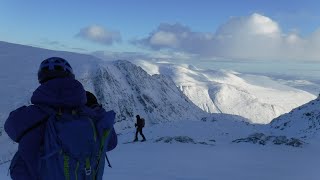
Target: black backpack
[(143, 122)]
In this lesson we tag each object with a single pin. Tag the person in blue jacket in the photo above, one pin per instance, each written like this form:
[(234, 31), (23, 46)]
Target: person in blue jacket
[(25, 125)]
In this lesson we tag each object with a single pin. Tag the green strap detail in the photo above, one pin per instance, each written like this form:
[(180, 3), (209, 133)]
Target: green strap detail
[(74, 112), (94, 175), (88, 169), (66, 167), (94, 130), (59, 113), (76, 171), (103, 139), (88, 163)]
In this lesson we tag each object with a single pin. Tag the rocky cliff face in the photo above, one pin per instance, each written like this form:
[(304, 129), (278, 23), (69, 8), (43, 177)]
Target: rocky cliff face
[(129, 90)]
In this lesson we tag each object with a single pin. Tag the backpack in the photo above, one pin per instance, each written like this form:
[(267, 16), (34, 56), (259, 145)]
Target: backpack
[(143, 122), (75, 144)]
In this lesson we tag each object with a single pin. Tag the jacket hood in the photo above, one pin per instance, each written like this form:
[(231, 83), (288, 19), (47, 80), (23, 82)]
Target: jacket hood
[(60, 92)]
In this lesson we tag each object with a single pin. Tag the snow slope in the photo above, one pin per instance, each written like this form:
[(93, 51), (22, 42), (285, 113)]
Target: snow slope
[(184, 161), (303, 122), (258, 98), (193, 150), (201, 162), (203, 150)]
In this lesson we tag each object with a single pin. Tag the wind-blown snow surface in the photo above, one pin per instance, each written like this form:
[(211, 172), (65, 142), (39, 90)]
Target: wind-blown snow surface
[(193, 150), (210, 155), (258, 98)]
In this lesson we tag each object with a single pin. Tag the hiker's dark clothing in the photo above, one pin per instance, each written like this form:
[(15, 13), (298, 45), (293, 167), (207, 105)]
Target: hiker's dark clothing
[(139, 123), (139, 130), (25, 126), (139, 126)]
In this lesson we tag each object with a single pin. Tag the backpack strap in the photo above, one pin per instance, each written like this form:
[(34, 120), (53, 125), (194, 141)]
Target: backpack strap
[(66, 168), (102, 146)]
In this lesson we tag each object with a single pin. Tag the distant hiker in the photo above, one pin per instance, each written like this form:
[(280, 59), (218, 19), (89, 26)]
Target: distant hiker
[(139, 125), (59, 136)]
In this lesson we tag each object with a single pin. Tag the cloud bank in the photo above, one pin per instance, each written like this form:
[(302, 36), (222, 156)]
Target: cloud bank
[(99, 34), (255, 37)]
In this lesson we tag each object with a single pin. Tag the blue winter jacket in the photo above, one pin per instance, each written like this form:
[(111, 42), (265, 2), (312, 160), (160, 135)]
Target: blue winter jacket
[(25, 125)]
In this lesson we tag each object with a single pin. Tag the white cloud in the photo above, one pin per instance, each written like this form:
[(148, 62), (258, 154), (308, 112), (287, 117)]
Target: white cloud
[(255, 24), (151, 56), (99, 34), (255, 37), (162, 38), (177, 37)]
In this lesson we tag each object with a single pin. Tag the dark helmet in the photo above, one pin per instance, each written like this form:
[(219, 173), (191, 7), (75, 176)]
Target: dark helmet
[(54, 67)]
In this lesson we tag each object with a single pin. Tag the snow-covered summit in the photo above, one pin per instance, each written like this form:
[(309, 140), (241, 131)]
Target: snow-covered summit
[(258, 98)]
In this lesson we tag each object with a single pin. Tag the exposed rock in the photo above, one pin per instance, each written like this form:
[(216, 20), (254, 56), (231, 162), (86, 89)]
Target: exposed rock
[(262, 139)]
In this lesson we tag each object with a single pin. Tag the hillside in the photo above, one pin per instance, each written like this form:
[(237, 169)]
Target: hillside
[(257, 98)]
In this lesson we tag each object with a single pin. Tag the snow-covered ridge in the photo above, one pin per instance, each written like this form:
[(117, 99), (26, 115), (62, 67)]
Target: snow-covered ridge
[(129, 90), (258, 98), (303, 122)]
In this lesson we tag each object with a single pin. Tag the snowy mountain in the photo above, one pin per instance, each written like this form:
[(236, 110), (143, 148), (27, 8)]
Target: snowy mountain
[(129, 90), (119, 85), (182, 140), (258, 98)]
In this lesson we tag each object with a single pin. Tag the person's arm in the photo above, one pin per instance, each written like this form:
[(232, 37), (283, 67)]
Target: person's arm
[(113, 141), (22, 120)]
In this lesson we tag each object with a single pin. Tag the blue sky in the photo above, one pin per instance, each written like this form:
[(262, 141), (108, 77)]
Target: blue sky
[(156, 26)]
